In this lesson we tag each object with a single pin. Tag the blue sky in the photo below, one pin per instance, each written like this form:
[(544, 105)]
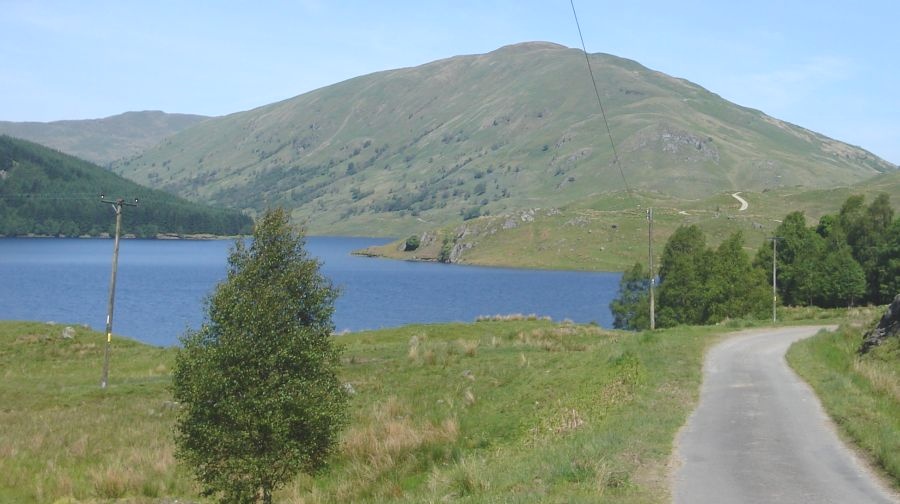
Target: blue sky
[(833, 67)]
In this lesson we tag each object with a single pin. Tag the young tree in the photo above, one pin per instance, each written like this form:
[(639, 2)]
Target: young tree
[(888, 264), (799, 249), (257, 384), (840, 280), (683, 273), (631, 308), (735, 288)]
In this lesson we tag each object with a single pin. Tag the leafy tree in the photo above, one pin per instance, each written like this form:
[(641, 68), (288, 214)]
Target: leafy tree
[(888, 264), (682, 278), (412, 243), (260, 398), (799, 248), (839, 279), (866, 231), (631, 308), (734, 287)]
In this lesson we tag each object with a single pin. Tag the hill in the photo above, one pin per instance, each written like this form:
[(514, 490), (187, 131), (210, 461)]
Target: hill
[(103, 141), (610, 233), (45, 192), (407, 149)]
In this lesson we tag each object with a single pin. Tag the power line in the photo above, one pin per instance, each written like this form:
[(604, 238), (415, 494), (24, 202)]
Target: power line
[(600, 101)]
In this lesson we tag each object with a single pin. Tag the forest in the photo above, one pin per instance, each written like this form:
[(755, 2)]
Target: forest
[(48, 193)]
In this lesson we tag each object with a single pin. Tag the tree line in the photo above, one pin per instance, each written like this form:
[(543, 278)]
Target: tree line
[(45, 192), (850, 258)]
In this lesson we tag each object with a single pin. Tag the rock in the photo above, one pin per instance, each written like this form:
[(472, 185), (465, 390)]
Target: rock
[(457, 251), (888, 327), (68, 332)]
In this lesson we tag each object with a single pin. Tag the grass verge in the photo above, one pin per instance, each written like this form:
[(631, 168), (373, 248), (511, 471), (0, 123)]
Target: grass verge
[(861, 394), (494, 411)]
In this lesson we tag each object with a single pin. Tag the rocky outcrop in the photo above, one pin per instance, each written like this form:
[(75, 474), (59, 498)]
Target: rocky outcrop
[(888, 327)]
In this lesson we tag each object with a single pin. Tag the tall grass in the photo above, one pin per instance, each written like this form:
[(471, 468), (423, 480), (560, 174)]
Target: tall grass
[(861, 394), (511, 411), (496, 411), (63, 437)]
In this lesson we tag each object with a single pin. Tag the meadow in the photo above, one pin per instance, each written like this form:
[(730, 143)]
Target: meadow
[(512, 410)]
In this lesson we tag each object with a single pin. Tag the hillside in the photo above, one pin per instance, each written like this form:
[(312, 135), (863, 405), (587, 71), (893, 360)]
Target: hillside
[(517, 128), (610, 233), (45, 192), (103, 141)]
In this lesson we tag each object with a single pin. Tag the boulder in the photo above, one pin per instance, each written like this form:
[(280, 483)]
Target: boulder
[(888, 327)]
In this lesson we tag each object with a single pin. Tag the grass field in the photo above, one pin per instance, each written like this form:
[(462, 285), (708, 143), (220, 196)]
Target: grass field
[(515, 411), (861, 394), (492, 411)]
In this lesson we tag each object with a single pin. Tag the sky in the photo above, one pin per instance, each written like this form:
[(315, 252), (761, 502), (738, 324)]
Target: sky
[(832, 67)]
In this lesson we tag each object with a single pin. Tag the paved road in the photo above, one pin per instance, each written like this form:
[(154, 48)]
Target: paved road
[(759, 435)]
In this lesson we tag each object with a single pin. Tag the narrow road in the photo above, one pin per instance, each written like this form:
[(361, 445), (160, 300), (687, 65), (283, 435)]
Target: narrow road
[(742, 201), (759, 434)]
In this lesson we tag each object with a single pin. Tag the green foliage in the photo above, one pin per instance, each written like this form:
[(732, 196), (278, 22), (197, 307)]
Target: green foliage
[(631, 307), (446, 251), (888, 264), (471, 213), (412, 243), (702, 286), (839, 280), (735, 288), (866, 231), (683, 273), (849, 258), (45, 192), (261, 401)]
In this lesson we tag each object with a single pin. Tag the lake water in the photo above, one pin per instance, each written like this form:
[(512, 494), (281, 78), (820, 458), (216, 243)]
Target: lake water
[(161, 286)]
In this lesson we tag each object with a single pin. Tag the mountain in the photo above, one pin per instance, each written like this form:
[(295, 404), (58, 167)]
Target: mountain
[(516, 128), (103, 141), (46, 192)]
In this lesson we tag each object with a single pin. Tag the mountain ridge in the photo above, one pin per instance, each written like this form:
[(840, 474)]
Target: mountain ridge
[(103, 140), (484, 134)]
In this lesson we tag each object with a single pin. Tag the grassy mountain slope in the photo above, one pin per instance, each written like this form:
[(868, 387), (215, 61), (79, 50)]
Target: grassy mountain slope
[(610, 234), (103, 141), (516, 128), (43, 191)]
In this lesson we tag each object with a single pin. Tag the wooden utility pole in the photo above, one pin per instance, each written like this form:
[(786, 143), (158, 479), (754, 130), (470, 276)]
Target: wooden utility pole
[(117, 207), (774, 279), (652, 274)]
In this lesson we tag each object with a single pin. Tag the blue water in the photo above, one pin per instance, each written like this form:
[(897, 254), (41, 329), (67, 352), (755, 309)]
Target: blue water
[(161, 286)]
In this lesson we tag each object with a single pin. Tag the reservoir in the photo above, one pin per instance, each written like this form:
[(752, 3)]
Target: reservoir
[(162, 284)]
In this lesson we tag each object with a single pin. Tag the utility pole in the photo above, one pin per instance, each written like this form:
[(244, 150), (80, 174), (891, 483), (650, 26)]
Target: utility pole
[(117, 208), (774, 277), (652, 274)]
